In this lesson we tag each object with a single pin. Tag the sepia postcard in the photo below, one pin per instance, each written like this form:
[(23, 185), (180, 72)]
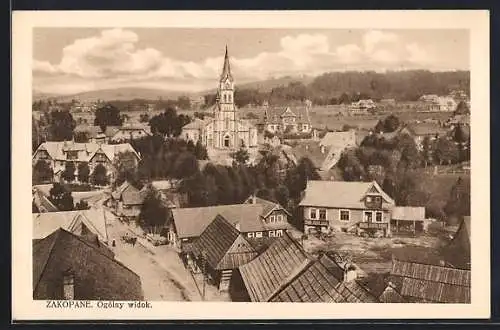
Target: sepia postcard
[(279, 165)]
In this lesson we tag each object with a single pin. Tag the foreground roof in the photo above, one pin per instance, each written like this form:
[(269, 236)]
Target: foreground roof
[(417, 282), (94, 220), (269, 272), (191, 222), (224, 246), (322, 281), (341, 194)]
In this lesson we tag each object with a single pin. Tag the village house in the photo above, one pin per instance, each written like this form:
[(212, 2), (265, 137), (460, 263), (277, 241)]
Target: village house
[(439, 103), (225, 130), (220, 249), (273, 215), (340, 205), (129, 132), (287, 121), (301, 278), (420, 131), (81, 222), (71, 267), (126, 200), (408, 219), (189, 223), (423, 283), (362, 106), (57, 154)]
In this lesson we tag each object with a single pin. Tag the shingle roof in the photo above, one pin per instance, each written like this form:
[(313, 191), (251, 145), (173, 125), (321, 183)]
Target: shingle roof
[(322, 281), (339, 139), (270, 271), (42, 202), (267, 206), (422, 282), (129, 194), (225, 247), (95, 220), (190, 222), (85, 151), (408, 213), (340, 194), (47, 252), (275, 114)]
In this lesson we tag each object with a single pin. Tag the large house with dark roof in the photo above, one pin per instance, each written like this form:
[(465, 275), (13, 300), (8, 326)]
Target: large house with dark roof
[(57, 154), (225, 130), (220, 249), (189, 223), (289, 120), (340, 205), (71, 267), (423, 283)]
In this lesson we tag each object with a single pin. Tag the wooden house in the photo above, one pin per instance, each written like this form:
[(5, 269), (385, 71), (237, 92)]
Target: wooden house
[(274, 216), (220, 249), (408, 219), (423, 283), (67, 266), (340, 205), (127, 201)]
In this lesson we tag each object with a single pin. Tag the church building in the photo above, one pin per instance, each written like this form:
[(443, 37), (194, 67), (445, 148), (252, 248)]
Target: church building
[(224, 130)]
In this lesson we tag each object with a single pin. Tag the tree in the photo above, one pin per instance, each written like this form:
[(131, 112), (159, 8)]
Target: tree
[(69, 172), (153, 213), (99, 176), (185, 165), (168, 123), (107, 115), (427, 151), (240, 156), (83, 172), (410, 157), (200, 151), (144, 118), (81, 137), (446, 151), (282, 195), (61, 197), (391, 124), (461, 138), (458, 204), (61, 125), (462, 108), (82, 205), (42, 172)]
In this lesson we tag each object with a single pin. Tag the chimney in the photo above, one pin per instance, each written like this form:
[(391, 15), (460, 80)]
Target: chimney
[(350, 273)]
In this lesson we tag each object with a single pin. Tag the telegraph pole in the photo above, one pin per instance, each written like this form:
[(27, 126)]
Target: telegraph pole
[(204, 269)]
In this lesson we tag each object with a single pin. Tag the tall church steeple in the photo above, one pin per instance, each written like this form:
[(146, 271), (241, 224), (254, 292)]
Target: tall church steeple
[(226, 70), (226, 86)]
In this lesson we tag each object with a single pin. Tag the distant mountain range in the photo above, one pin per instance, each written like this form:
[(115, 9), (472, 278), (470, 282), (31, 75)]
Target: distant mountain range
[(130, 93)]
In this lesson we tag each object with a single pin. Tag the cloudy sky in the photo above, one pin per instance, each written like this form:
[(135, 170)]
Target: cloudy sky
[(73, 60)]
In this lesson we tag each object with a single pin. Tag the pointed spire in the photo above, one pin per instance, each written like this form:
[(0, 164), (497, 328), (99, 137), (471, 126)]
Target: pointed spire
[(226, 70)]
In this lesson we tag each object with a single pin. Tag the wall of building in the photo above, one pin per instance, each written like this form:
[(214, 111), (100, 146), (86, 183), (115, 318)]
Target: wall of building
[(333, 216)]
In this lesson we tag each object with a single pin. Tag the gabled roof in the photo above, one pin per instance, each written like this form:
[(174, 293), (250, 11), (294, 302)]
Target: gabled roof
[(85, 151), (430, 283), (341, 194), (275, 114), (274, 268), (129, 194), (267, 206), (322, 281), (224, 246), (94, 220), (191, 222), (408, 213), (196, 124), (339, 139), (61, 244)]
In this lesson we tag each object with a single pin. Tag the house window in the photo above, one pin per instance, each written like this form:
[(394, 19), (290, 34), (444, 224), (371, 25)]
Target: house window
[(279, 218), (322, 214), (378, 217), (69, 286), (279, 233), (312, 213), (368, 216), (250, 235), (271, 233), (345, 215), (271, 218), (368, 199), (258, 234)]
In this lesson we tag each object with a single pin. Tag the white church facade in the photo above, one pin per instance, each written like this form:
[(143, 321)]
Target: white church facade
[(225, 130)]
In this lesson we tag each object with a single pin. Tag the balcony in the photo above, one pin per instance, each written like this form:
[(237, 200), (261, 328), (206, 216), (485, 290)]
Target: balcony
[(310, 222), (373, 225)]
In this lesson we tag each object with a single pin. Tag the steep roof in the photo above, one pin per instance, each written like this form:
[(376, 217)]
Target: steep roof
[(84, 151), (423, 282), (42, 202), (267, 206), (196, 124), (339, 139), (340, 194), (225, 247), (322, 281), (94, 220), (129, 194), (275, 267), (408, 213), (226, 69), (48, 251), (275, 114), (191, 222)]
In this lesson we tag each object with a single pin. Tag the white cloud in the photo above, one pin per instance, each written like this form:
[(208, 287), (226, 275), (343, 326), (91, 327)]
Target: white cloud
[(375, 37), (113, 58)]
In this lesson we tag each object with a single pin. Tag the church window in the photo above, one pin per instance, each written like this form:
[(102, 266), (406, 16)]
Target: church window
[(229, 97), (226, 141)]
